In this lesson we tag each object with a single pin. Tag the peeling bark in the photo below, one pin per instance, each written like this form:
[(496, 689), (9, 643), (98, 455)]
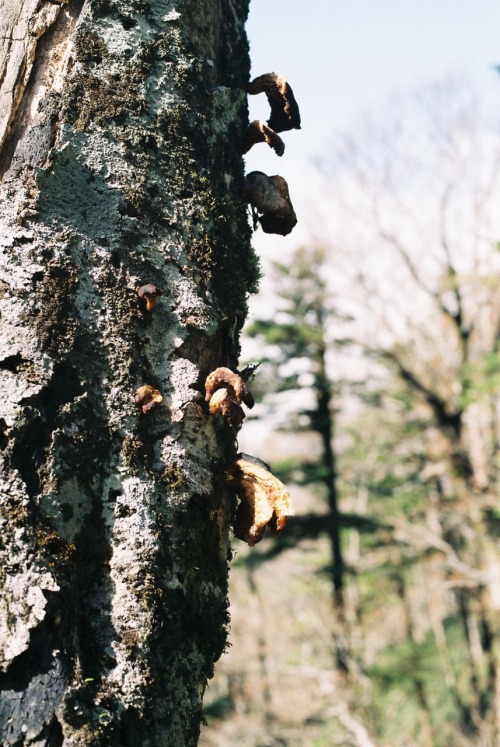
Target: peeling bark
[(120, 122)]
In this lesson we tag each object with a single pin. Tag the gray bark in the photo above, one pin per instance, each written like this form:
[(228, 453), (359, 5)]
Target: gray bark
[(121, 124)]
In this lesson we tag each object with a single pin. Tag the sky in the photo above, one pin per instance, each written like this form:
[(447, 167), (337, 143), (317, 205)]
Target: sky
[(344, 59)]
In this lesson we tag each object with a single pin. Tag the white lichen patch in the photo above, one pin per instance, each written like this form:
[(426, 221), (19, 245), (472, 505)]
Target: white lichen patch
[(201, 315), (134, 540), (90, 149), (183, 375), (22, 607), (14, 390), (197, 475), (172, 15)]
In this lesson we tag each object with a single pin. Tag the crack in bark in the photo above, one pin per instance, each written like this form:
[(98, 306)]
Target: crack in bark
[(34, 684), (29, 451), (41, 77)]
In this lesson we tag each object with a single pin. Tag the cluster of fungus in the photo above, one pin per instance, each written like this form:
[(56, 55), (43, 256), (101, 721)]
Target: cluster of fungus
[(268, 196), (225, 392), (285, 113), (263, 499)]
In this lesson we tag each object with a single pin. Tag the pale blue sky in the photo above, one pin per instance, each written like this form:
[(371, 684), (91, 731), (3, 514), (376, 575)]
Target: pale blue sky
[(344, 59)]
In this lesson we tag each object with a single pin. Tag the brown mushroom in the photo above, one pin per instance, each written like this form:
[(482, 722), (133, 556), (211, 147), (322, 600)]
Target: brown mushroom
[(285, 113), (224, 378), (258, 132), (147, 397), (264, 500), (269, 197), (150, 294)]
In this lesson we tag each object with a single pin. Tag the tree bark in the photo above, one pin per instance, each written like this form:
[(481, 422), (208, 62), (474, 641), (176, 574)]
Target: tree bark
[(120, 131)]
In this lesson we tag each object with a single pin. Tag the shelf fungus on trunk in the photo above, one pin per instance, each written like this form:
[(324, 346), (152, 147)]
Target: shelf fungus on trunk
[(258, 132), (270, 201), (225, 391), (285, 113), (147, 397), (264, 500)]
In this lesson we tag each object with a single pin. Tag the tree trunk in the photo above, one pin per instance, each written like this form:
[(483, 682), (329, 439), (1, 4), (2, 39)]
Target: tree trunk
[(324, 424), (120, 126)]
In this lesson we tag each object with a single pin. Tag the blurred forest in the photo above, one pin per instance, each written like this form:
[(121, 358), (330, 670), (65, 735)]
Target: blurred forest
[(375, 618)]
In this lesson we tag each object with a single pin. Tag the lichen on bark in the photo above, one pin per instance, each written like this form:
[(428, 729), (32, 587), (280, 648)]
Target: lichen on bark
[(125, 168)]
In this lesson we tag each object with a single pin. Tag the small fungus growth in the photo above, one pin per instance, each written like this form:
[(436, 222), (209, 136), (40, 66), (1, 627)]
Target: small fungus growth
[(150, 294), (224, 392), (147, 397), (264, 500), (285, 113)]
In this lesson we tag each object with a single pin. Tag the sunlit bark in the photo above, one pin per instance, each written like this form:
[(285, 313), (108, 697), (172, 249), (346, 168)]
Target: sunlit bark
[(121, 126)]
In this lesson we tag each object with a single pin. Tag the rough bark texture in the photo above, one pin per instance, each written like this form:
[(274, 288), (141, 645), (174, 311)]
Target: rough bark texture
[(121, 123)]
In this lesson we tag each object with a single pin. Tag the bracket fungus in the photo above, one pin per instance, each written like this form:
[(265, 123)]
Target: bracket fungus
[(264, 500), (149, 293), (224, 392), (285, 113), (269, 197), (258, 132), (224, 378), (147, 397)]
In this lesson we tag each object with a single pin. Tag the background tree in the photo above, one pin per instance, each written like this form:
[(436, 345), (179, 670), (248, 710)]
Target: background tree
[(121, 126), (298, 339), (302, 342), (422, 244)]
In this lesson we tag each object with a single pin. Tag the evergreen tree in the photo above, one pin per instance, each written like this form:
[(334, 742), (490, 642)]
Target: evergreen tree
[(301, 332)]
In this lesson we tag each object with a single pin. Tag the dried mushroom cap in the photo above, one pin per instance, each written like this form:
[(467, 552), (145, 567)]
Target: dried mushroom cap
[(285, 113), (225, 378), (264, 500), (221, 402), (150, 293), (258, 132), (147, 397), (269, 196)]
